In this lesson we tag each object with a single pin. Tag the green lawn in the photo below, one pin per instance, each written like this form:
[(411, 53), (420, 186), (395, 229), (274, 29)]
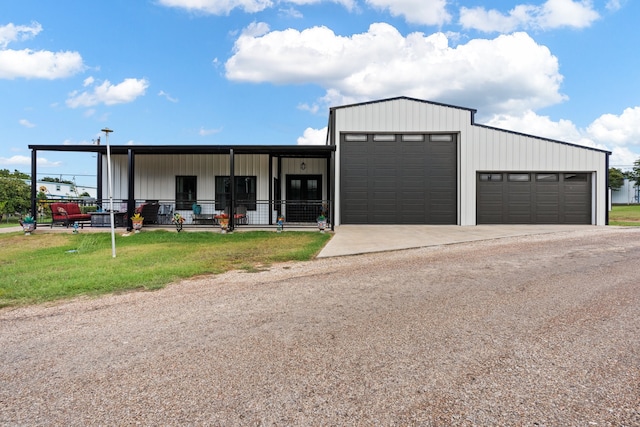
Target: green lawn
[(625, 215), (51, 266)]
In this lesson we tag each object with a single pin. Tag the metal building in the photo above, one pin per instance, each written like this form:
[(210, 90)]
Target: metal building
[(409, 161)]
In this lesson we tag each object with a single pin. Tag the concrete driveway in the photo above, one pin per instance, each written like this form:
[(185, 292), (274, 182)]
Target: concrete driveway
[(361, 239)]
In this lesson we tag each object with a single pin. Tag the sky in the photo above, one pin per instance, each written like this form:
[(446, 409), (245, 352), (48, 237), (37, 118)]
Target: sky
[(266, 72)]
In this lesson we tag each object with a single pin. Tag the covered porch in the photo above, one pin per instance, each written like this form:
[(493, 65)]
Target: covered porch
[(252, 185)]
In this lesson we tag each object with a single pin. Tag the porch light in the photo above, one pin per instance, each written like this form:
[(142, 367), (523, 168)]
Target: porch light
[(107, 131), (303, 166)]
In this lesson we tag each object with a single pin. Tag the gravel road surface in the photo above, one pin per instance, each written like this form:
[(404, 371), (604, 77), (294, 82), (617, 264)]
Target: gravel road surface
[(533, 331)]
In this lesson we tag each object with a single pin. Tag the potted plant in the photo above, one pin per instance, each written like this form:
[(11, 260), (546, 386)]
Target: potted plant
[(178, 220), (136, 221), (28, 224), (223, 220), (322, 222)]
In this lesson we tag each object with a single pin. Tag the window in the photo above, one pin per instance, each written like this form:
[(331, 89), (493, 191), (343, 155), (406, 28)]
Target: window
[(519, 177), (186, 194), (490, 177), (575, 177), (413, 138), (384, 137), (442, 138), (245, 192), (547, 177), (355, 137)]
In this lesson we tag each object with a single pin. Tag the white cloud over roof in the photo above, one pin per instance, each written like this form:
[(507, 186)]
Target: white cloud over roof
[(508, 73)]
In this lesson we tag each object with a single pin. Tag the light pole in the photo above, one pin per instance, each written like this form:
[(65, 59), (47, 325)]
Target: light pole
[(107, 131)]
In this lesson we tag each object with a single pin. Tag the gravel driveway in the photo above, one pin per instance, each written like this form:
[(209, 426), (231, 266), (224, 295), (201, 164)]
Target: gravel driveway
[(535, 331)]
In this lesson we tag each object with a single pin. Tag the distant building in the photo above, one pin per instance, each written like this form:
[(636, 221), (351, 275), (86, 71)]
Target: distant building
[(628, 193), (62, 190)]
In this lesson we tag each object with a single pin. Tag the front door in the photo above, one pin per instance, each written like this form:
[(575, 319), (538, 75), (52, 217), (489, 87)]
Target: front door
[(304, 198)]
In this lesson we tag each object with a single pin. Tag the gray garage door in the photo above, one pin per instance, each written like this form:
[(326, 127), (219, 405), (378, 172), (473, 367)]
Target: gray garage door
[(398, 179), (533, 198)]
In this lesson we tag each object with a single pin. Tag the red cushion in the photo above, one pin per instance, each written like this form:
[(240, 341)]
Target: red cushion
[(73, 209)]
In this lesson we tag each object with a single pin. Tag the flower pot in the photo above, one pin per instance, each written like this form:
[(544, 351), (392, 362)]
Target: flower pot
[(28, 227), (224, 223), (137, 225)]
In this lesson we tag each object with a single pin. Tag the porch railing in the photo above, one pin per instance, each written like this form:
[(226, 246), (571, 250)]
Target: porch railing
[(248, 213)]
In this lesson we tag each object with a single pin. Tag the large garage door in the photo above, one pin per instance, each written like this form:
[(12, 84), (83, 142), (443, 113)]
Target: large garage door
[(534, 198), (398, 179)]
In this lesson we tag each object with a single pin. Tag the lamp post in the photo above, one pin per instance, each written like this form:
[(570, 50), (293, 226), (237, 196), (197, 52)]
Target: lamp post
[(107, 131)]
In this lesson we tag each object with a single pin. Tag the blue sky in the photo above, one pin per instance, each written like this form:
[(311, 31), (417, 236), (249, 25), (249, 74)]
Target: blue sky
[(267, 71)]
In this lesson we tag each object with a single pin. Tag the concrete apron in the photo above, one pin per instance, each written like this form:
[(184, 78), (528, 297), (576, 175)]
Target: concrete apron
[(360, 239)]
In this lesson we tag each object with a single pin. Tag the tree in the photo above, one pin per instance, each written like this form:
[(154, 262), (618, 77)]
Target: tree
[(15, 194), (635, 173), (616, 178), (15, 174)]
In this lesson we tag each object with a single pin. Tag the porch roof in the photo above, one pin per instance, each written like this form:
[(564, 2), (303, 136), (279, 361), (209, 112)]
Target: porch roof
[(276, 150)]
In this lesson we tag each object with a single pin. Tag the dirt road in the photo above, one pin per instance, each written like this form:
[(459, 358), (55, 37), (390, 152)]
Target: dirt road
[(541, 330)]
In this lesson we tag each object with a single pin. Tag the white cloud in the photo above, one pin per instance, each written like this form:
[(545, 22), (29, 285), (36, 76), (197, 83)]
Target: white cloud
[(619, 130), (26, 161), (552, 14), (427, 12), (27, 63), (26, 123), (88, 81), (618, 134), (508, 73), (207, 132), (218, 7), (11, 33), (290, 13), (614, 5), (167, 96), (314, 108), (224, 7), (313, 137), (39, 65), (109, 94)]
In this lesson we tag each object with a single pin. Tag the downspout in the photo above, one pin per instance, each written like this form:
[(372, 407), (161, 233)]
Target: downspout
[(131, 199), (34, 174), (232, 178)]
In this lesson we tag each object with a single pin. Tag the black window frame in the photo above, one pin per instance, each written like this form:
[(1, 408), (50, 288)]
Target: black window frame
[(243, 197), (186, 195)]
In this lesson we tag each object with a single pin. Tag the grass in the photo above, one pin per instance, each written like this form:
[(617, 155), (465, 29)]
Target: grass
[(49, 267), (628, 215)]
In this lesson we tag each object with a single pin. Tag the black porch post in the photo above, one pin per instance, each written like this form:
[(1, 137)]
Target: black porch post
[(131, 199), (99, 178), (279, 189), (271, 202), (34, 174), (232, 178), (330, 192)]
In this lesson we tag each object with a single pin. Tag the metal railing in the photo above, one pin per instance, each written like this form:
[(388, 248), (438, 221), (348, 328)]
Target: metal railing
[(247, 213)]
